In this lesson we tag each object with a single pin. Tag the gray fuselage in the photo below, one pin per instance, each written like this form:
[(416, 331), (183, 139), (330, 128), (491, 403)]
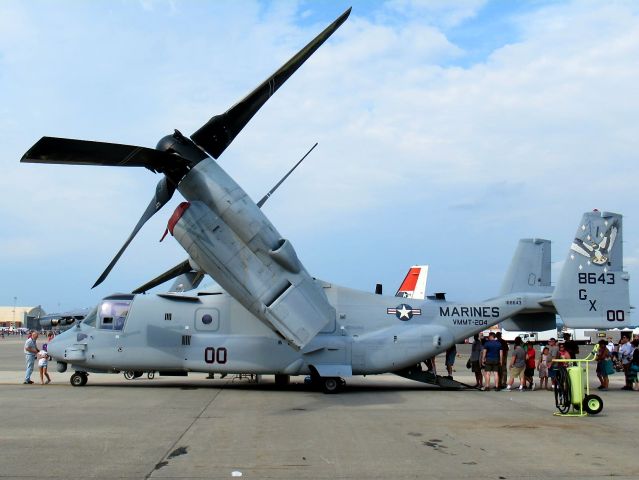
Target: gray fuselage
[(209, 331)]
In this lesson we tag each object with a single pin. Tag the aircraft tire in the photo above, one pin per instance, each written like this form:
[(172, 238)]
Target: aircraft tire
[(282, 380), (137, 374), (78, 379), (331, 384), (128, 375), (150, 375), (593, 404)]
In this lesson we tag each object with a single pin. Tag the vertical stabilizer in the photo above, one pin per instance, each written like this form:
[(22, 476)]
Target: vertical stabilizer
[(414, 284), (529, 270), (592, 290)]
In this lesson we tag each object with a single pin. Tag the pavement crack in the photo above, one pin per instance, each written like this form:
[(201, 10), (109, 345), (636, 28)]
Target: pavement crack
[(174, 451)]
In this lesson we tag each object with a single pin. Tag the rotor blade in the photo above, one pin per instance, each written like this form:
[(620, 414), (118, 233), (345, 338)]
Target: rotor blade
[(82, 152), (163, 193), (176, 271), (220, 130), (272, 190)]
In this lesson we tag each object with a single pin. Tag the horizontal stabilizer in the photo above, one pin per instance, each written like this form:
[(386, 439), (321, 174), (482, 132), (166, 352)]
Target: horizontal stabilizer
[(531, 322)]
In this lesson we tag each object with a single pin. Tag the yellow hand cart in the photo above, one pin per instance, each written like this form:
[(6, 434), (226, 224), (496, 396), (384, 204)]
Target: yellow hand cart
[(572, 388)]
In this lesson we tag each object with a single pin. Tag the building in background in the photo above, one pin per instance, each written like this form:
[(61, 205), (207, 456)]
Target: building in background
[(19, 317)]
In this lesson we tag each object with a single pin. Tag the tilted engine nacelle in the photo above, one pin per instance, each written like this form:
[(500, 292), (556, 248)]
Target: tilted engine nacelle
[(225, 233)]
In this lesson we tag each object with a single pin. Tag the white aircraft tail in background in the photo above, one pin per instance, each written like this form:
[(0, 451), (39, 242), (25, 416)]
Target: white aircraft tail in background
[(414, 284)]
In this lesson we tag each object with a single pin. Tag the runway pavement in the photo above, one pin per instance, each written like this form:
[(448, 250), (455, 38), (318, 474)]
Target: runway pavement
[(380, 427)]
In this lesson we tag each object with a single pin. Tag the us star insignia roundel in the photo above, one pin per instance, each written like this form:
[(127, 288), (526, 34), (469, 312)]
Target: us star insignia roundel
[(404, 311)]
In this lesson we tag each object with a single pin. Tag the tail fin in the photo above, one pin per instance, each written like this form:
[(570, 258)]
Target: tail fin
[(529, 272), (530, 268), (592, 291), (414, 284)]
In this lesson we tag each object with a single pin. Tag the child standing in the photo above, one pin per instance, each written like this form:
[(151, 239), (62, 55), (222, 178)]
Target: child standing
[(542, 366), (43, 364), (529, 371)]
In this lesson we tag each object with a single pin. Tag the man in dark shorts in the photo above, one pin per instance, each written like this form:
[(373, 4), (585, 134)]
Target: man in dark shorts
[(503, 369), (491, 357)]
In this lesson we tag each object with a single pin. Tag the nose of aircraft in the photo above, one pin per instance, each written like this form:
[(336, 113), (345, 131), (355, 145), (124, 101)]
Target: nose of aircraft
[(55, 348)]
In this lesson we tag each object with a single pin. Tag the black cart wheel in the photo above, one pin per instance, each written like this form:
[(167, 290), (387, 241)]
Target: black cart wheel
[(562, 391), (331, 384), (593, 404), (78, 379)]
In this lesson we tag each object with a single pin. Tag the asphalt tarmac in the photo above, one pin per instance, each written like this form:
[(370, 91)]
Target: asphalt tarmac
[(379, 427)]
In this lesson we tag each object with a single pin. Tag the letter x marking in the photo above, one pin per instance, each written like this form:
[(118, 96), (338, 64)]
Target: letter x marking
[(592, 305)]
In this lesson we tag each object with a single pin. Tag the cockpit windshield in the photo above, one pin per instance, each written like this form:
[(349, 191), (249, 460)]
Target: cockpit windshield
[(113, 313), (91, 317)]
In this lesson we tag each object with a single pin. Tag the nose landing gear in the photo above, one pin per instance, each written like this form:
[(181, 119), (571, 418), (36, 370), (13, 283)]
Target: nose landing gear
[(79, 379)]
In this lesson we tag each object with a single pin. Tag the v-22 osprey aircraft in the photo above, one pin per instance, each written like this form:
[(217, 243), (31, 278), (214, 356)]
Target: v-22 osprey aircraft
[(268, 315)]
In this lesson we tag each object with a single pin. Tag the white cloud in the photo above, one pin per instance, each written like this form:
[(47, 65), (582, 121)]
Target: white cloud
[(516, 145)]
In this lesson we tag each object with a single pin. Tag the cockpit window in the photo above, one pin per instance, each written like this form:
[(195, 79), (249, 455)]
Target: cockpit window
[(113, 314), (91, 317)]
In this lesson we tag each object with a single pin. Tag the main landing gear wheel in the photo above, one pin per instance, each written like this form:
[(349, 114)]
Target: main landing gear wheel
[(593, 404), (128, 375), (150, 375), (79, 379), (332, 384)]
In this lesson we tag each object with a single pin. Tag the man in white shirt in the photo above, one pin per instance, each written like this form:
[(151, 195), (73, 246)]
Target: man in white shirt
[(30, 352)]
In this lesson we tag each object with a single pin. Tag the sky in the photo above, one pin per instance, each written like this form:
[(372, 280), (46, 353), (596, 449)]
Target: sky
[(447, 131)]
